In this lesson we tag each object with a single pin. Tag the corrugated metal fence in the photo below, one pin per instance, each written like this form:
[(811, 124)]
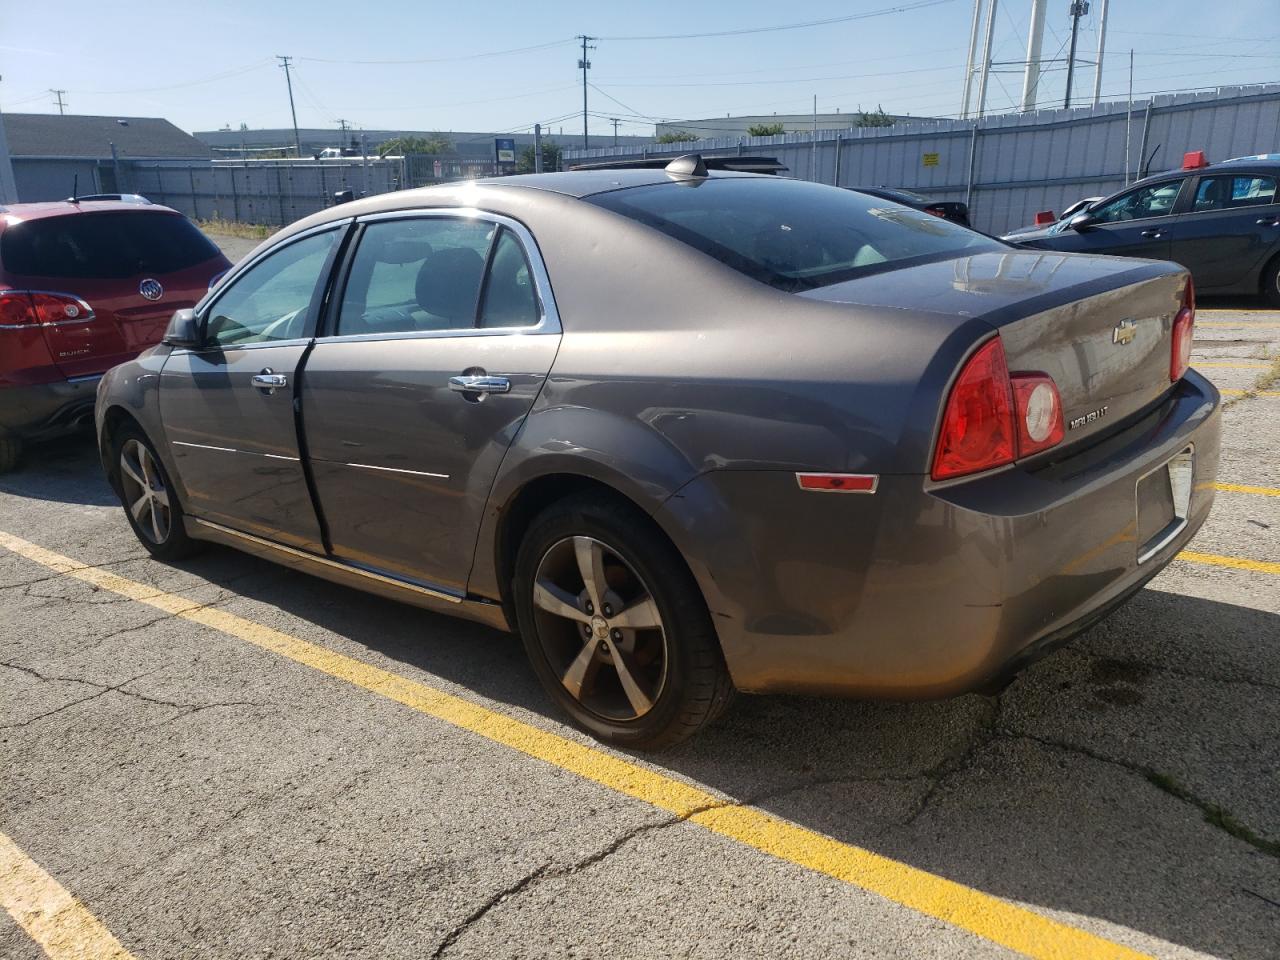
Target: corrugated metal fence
[(1008, 167)]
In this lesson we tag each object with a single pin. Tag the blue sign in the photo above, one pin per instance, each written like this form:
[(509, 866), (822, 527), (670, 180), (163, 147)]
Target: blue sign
[(505, 149)]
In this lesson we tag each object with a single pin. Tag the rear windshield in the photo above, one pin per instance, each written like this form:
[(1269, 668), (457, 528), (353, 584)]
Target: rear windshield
[(108, 245), (791, 234)]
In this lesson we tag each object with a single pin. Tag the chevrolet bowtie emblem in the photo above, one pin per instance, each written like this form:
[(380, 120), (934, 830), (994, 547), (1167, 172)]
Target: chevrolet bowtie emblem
[(1125, 331)]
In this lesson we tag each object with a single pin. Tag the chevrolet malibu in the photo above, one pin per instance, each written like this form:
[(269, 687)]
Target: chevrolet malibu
[(686, 432)]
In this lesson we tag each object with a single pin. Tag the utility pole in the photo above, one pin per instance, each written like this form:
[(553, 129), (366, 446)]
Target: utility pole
[(614, 121), (343, 127), (284, 62), (584, 65), (1102, 43), (537, 148), (61, 105), (1078, 9), (1035, 45)]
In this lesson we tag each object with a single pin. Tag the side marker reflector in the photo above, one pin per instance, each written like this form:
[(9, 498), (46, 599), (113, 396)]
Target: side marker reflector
[(839, 482)]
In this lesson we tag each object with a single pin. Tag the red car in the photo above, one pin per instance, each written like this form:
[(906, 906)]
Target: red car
[(84, 286)]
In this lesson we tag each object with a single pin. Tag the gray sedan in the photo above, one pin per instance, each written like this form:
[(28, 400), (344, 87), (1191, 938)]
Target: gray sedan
[(688, 433)]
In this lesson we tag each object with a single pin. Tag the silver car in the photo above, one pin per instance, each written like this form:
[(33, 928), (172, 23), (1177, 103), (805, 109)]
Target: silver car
[(686, 432)]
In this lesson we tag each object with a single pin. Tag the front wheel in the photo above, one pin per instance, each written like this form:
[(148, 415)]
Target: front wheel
[(1271, 283), (616, 627), (150, 502)]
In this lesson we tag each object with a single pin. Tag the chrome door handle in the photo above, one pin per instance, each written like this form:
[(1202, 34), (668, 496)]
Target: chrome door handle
[(1269, 222), (269, 382), (467, 384), (1153, 234)]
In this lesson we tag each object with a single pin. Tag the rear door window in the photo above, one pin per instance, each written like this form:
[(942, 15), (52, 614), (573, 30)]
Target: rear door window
[(1228, 193), (108, 245), (425, 274), (790, 234)]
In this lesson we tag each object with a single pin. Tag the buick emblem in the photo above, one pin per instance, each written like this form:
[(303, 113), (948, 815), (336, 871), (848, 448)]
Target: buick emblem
[(151, 289), (1124, 331)]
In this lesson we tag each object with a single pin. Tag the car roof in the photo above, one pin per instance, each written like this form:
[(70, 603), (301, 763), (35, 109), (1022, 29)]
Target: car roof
[(14, 213), (1263, 163), (585, 183)]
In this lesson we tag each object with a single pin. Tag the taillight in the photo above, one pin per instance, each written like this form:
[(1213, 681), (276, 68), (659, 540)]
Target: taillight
[(1038, 412), (977, 425), (16, 309), (1183, 330), (992, 418), (27, 307)]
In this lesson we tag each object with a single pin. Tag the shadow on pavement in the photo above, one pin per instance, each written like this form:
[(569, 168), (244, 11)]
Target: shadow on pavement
[(65, 470), (1063, 792)]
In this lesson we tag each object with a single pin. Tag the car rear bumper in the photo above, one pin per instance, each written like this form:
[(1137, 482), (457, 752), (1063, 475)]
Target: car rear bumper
[(47, 409), (915, 592)]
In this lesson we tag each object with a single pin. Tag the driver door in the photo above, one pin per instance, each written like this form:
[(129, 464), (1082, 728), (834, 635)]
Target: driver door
[(228, 408), (1135, 224)]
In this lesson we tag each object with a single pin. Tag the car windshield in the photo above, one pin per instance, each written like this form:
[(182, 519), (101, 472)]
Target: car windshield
[(107, 245), (791, 234)]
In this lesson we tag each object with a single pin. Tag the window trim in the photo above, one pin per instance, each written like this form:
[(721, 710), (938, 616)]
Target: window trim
[(549, 316), (319, 294)]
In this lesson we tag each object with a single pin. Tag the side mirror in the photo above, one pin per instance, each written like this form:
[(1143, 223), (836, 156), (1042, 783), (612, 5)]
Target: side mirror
[(1083, 221), (343, 196), (184, 330)]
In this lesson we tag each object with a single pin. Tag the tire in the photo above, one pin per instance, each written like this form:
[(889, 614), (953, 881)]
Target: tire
[(676, 668), (10, 452), (1271, 283), (139, 475)]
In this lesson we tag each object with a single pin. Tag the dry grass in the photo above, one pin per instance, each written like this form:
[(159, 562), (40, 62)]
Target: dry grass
[(233, 228)]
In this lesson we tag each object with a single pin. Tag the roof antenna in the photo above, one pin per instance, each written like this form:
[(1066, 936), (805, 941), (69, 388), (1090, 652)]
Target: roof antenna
[(75, 188), (690, 165)]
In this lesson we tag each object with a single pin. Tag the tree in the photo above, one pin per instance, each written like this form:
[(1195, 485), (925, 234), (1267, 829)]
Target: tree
[(766, 129), (434, 143), (550, 158), (676, 136), (877, 119)]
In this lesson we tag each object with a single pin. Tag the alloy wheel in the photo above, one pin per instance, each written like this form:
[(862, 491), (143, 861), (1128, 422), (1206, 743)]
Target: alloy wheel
[(599, 628), (145, 495)]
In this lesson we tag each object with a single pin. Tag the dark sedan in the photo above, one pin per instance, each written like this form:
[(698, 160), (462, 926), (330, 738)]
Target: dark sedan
[(1220, 221), (952, 210), (687, 432)]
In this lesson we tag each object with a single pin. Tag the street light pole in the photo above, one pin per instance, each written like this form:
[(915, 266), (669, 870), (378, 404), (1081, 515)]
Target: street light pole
[(1078, 9)]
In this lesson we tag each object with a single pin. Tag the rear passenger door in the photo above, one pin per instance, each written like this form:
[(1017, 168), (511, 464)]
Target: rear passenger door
[(1232, 224), (437, 346)]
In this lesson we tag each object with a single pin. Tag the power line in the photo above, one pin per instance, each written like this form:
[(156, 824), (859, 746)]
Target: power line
[(469, 56), (885, 11)]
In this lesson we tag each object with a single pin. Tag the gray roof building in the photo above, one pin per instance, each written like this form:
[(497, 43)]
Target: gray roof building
[(52, 136)]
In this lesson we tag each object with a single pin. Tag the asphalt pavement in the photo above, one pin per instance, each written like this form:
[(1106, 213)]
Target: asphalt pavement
[(223, 758)]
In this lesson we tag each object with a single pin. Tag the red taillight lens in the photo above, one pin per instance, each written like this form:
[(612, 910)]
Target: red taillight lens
[(1183, 331), (16, 308), (977, 425), (34, 306), (1039, 412)]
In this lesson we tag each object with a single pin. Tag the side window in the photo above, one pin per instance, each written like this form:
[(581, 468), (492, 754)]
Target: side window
[(1227, 193), (1155, 200), (270, 301), (417, 274), (510, 299)]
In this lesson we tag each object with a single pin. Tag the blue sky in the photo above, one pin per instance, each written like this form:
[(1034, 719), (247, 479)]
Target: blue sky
[(203, 65)]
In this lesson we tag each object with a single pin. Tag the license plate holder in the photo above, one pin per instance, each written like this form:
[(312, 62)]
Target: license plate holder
[(1162, 503)]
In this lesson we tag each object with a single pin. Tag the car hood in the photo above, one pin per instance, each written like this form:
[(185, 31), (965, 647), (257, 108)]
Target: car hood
[(1023, 234)]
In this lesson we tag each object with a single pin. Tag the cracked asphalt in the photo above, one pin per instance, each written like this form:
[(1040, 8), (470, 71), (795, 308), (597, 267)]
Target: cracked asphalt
[(205, 798)]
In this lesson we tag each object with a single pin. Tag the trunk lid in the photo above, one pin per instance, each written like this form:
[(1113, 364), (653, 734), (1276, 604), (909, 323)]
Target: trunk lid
[(1101, 327)]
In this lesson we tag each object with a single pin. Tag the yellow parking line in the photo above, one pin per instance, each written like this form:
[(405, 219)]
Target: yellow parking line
[(1245, 488), (1231, 366), (1253, 393), (996, 920), (51, 916), (1236, 563)]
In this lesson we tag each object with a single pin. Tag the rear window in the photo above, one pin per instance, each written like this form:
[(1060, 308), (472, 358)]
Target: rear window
[(108, 245), (791, 234)]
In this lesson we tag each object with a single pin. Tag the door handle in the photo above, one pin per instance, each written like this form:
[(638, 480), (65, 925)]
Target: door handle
[(1153, 234), (1269, 222), (268, 381), (479, 384)]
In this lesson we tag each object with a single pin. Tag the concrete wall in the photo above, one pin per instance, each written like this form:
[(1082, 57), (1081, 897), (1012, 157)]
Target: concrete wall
[(1009, 167)]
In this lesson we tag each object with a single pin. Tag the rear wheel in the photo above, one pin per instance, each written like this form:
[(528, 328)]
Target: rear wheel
[(615, 626), (149, 500), (1271, 283), (10, 451)]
